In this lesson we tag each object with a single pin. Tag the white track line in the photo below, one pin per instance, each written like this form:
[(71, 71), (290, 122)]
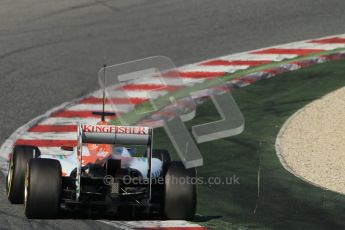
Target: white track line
[(49, 136), (259, 57), (308, 45), (227, 69), (171, 81), (181, 81), (68, 121), (98, 107), (132, 93)]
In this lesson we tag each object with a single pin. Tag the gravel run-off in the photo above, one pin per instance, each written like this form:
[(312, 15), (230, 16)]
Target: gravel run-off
[(311, 144)]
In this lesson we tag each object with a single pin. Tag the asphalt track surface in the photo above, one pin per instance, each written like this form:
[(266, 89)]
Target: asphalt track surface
[(50, 51)]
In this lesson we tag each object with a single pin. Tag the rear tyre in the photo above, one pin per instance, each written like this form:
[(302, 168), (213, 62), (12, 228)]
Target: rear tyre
[(42, 189), (161, 154), (180, 192), (21, 155)]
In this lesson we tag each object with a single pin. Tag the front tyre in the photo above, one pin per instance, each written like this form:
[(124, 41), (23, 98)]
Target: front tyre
[(21, 155), (43, 186), (180, 192)]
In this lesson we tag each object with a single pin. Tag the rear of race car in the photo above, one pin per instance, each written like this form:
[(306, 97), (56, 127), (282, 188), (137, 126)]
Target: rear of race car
[(147, 184)]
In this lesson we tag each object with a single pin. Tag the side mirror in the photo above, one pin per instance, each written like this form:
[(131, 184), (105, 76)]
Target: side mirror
[(67, 148)]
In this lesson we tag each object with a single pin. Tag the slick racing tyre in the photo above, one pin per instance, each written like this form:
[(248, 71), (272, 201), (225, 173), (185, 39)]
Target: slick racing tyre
[(179, 193), (42, 189), (21, 155)]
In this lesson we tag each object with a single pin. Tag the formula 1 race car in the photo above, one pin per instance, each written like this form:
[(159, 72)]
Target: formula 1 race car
[(103, 174), (37, 181), (149, 184)]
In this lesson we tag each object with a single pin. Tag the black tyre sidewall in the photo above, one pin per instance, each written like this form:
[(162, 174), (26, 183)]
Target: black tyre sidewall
[(44, 184), (21, 155), (179, 200)]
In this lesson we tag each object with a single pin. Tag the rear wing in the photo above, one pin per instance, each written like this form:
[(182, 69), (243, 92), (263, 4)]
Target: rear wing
[(112, 134)]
